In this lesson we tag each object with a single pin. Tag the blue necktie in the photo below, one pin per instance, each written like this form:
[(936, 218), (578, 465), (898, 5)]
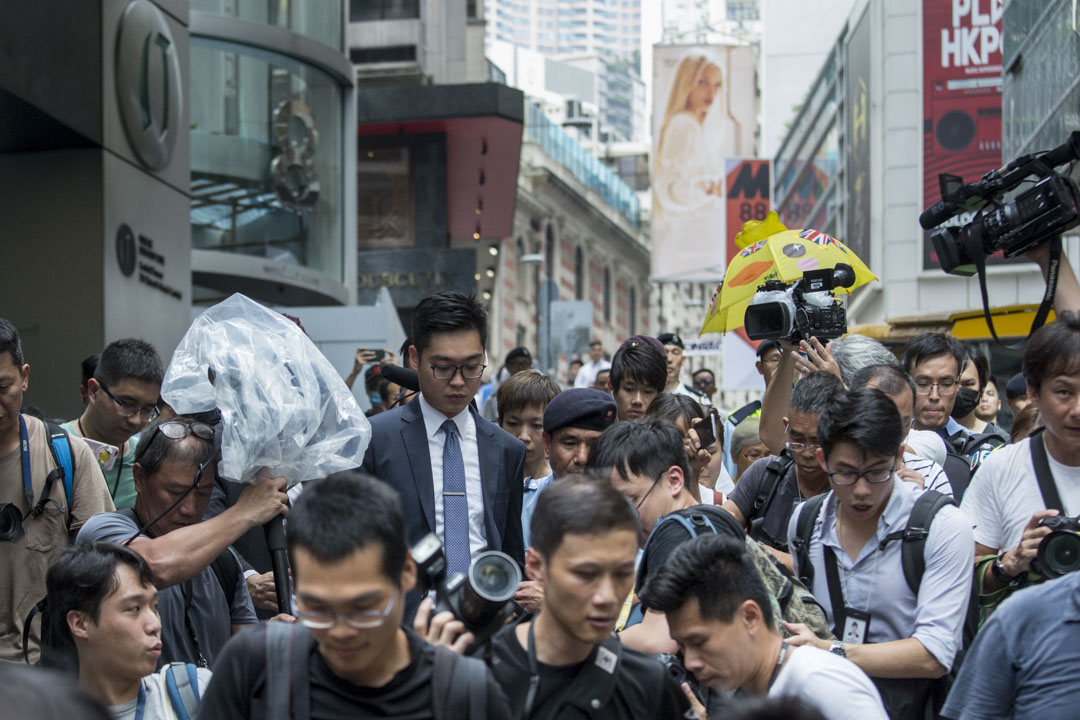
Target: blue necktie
[(455, 503)]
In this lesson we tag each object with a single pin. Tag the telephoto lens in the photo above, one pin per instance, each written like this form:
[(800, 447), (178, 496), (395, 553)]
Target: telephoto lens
[(493, 580), (11, 529)]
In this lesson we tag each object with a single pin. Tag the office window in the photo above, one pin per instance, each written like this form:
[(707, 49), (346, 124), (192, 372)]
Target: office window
[(367, 10)]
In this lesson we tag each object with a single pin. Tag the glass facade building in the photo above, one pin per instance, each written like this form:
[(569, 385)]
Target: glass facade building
[(271, 96), (1041, 69)]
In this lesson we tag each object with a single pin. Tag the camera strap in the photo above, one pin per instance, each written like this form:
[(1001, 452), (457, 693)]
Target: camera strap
[(34, 510), (975, 249), (1043, 473)]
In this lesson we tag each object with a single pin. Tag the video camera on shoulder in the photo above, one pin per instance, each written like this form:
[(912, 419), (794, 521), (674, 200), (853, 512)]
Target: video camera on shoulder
[(480, 598), (802, 310), (1059, 552), (1045, 210)]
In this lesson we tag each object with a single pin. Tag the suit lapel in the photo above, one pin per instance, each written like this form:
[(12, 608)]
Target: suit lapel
[(414, 437), (490, 473)]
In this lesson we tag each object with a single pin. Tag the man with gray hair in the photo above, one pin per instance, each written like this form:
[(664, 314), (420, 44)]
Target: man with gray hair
[(854, 352), (746, 446), (204, 598)]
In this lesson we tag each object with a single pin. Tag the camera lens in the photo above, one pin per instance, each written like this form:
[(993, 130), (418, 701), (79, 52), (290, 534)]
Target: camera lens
[(1059, 554), (10, 523), (494, 577)]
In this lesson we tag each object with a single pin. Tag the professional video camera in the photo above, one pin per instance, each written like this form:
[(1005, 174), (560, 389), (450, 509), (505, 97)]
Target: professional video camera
[(804, 309), (1059, 552), (1044, 211), (479, 598)]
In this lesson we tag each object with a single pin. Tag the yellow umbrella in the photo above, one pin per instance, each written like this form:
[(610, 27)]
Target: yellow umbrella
[(769, 251)]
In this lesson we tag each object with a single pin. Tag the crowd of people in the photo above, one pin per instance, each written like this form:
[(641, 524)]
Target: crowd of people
[(866, 541)]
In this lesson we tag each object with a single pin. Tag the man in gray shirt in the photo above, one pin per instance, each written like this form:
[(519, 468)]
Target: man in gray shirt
[(203, 598)]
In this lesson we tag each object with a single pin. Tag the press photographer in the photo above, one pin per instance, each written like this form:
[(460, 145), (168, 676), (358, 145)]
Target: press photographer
[(1021, 486)]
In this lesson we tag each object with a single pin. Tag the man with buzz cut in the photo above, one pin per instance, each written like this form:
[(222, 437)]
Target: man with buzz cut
[(674, 347), (122, 398), (720, 613), (565, 663)]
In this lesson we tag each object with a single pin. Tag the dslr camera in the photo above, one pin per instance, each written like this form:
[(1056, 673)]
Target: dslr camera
[(1015, 225), (804, 309), (1059, 552), (11, 523), (480, 598)]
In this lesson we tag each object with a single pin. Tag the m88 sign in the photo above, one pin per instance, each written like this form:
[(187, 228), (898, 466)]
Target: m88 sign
[(747, 184)]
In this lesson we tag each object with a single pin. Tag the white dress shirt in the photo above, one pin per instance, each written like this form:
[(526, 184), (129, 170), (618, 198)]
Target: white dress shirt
[(474, 490), (874, 581), (587, 373)]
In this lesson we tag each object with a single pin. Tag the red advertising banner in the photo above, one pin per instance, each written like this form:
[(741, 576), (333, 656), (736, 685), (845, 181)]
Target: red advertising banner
[(747, 183), (961, 96)]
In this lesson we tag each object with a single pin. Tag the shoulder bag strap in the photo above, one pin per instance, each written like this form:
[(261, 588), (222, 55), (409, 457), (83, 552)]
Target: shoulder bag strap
[(913, 549), (775, 471), (804, 528), (836, 591), (1044, 475)]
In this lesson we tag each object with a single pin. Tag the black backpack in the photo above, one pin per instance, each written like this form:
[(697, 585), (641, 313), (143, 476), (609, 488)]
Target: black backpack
[(778, 467), (912, 552), (458, 684)]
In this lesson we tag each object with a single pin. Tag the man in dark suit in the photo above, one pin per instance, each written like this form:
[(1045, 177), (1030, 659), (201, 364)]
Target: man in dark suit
[(458, 475)]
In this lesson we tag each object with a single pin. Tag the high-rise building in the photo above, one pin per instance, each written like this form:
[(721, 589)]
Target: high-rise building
[(567, 27)]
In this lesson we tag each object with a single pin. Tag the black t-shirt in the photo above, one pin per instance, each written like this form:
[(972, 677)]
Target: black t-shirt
[(238, 688), (644, 690), (774, 528), (670, 534)]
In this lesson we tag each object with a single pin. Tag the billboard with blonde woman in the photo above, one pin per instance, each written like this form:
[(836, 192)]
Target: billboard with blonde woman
[(704, 111)]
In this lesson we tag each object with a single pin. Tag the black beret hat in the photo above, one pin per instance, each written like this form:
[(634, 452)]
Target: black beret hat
[(670, 339), (583, 408), (1016, 386)]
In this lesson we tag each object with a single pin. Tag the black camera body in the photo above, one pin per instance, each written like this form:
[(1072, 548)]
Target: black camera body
[(481, 598), (782, 311), (1059, 552), (1042, 212)]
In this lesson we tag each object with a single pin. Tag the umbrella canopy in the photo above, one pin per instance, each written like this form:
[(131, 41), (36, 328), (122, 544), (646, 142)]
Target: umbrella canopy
[(769, 251)]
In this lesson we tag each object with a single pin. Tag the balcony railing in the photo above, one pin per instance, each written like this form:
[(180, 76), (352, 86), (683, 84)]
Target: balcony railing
[(562, 148)]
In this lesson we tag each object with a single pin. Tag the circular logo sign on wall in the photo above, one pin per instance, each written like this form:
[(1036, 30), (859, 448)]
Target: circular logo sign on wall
[(148, 83)]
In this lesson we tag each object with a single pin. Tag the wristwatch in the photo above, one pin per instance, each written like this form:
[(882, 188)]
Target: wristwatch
[(997, 569), (837, 648)]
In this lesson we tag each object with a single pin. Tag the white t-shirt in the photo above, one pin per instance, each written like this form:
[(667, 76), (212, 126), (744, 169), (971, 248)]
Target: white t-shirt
[(1004, 494), (158, 705), (832, 684)]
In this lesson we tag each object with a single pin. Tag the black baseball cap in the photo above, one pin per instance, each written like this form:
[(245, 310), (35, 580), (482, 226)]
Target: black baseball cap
[(518, 352), (766, 346)]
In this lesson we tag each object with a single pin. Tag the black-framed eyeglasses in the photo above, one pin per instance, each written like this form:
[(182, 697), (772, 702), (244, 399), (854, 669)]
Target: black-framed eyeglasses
[(874, 477), (359, 619), (177, 430), (945, 386), (645, 497), (470, 371), (127, 409)]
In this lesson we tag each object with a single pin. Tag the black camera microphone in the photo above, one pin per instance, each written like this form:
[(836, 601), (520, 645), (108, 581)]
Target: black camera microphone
[(404, 377)]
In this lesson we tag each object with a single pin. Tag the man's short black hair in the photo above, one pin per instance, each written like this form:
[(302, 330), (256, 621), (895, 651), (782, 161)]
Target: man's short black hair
[(704, 370), (154, 448), (982, 368), (675, 407), (928, 345), (10, 343), (31, 692), (129, 359), (1053, 350), (639, 363), (80, 578), (812, 393), (447, 312), (645, 448), (578, 506), (866, 418), (344, 513), (889, 379), (715, 569)]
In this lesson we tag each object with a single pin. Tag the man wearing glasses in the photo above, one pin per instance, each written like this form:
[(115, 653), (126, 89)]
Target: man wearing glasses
[(458, 475), (770, 488), (934, 361), (351, 657), (204, 598), (122, 397), (904, 640)]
